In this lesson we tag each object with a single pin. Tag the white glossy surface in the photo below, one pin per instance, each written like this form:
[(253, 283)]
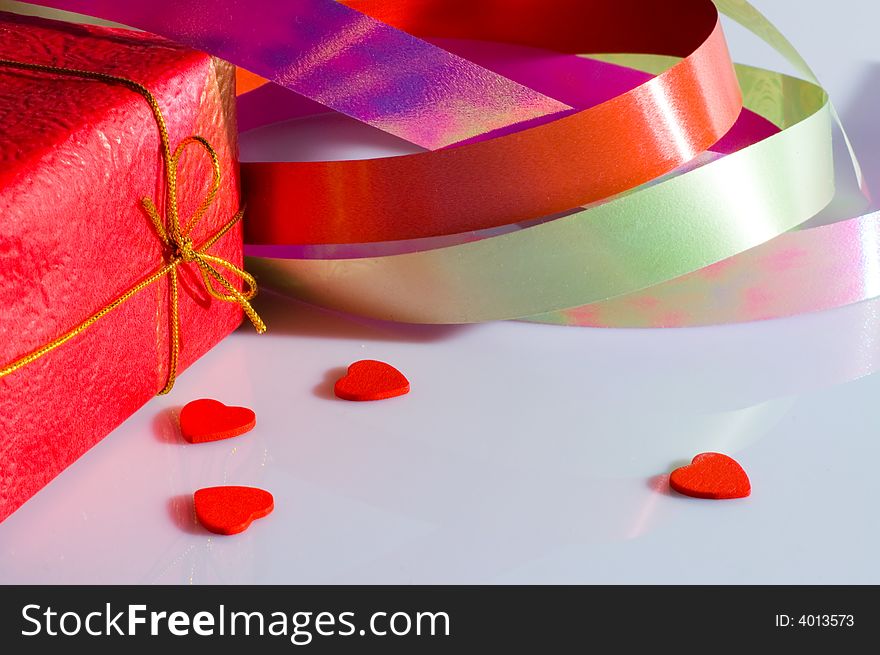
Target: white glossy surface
[(525, 453)]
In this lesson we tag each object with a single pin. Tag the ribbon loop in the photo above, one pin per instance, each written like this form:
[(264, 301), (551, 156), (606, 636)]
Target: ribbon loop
[(173, 172)]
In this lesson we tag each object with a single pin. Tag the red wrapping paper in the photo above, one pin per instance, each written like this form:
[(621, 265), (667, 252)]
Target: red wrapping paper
[(76, 157)]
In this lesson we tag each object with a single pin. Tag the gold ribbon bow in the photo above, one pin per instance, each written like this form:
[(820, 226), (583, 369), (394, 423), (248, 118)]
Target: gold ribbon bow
[(174, 235)]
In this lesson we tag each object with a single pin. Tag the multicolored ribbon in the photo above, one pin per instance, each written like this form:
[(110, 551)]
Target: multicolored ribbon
[(628, 221)]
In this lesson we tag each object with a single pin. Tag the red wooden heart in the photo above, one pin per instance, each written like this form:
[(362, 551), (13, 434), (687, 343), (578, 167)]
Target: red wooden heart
[(230, 510), (210, 420), (711, 475), (371, 380)]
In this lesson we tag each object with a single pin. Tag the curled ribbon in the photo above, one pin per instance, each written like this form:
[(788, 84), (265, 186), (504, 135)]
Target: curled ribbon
[(174, 235), (584, 218)]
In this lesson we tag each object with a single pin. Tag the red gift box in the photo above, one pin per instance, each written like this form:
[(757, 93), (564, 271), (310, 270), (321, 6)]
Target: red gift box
[(76, 158)]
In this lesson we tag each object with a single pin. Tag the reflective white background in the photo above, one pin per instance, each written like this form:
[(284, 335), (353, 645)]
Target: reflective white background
[(524, 453)]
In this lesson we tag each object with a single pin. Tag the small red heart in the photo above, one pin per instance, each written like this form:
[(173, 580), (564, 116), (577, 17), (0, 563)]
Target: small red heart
[(210, 420), (371, 380), (230, 510), (711, 475)]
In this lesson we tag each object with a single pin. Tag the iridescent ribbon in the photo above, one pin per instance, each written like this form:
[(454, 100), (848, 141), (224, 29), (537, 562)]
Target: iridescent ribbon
[(708, 244), (341, 58), (670, 228), (549, 167), (800, 271)]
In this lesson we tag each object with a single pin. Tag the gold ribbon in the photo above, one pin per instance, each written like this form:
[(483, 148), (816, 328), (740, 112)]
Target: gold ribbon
[(174, 235)]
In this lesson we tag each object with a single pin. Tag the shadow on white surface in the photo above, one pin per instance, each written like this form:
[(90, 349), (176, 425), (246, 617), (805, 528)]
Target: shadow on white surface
[(166, 426), (183, 515), (862, 118), (325, 389), (295, 319)]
